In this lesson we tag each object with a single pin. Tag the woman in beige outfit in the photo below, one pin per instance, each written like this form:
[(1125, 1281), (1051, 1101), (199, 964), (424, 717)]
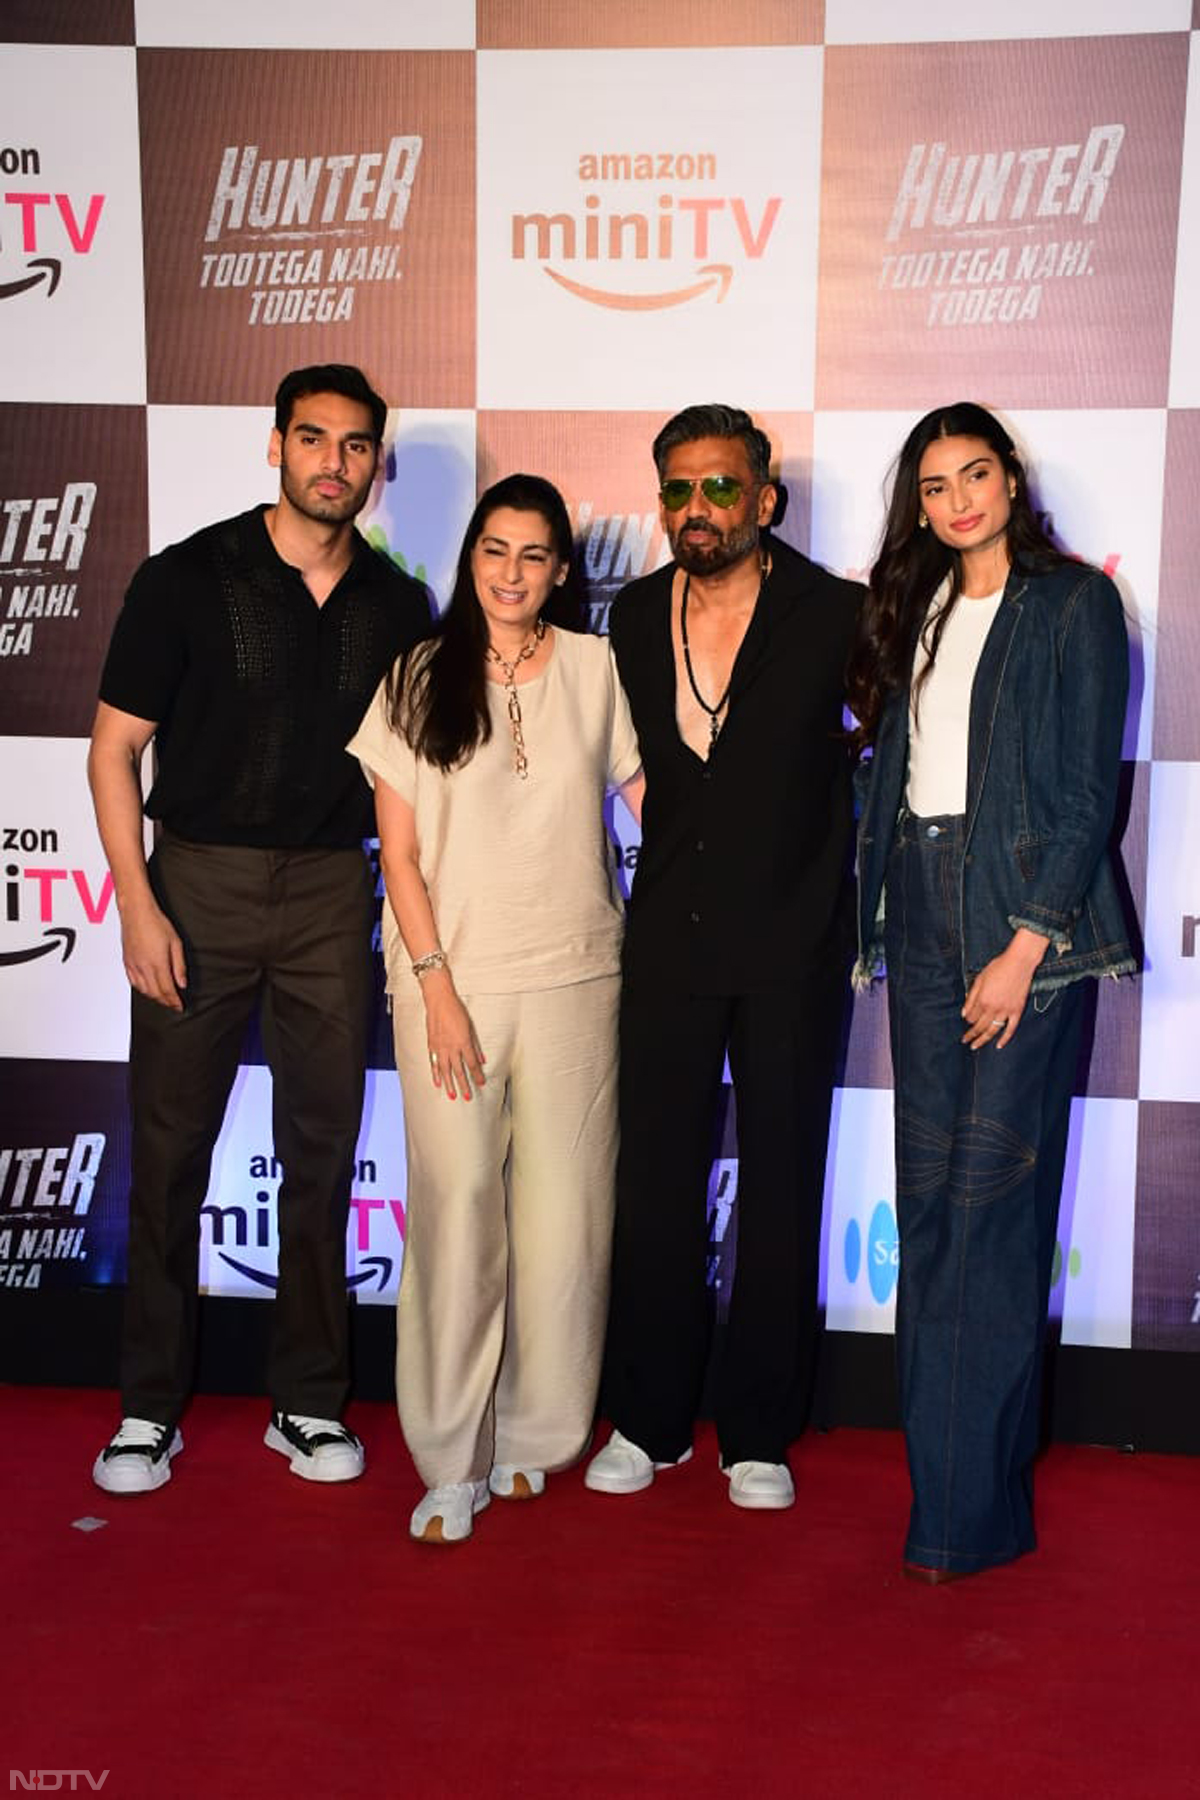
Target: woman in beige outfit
[(491, 750)]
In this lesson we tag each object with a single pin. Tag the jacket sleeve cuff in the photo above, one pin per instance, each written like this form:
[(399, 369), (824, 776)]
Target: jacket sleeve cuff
[(868, 968), (1059, 938)]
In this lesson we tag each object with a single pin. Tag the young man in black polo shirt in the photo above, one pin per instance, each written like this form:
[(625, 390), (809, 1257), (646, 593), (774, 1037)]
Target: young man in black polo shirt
[(249, 654), (737, 943)]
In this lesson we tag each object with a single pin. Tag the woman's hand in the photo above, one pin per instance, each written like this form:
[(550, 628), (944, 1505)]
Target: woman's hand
[(455, 1057), (998, 995)]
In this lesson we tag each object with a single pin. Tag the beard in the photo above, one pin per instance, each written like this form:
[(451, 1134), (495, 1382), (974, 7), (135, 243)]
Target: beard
[(716, 550), (324, 509)]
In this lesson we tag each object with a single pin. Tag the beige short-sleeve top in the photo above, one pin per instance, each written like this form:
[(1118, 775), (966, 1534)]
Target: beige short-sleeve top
[(520, 873)]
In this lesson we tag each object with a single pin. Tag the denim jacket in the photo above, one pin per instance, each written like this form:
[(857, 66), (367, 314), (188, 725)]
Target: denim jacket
[(1043, 763)]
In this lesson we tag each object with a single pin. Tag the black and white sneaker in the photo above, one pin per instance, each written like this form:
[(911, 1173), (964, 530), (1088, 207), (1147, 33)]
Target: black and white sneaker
[(318, 1449), (138, 1459)]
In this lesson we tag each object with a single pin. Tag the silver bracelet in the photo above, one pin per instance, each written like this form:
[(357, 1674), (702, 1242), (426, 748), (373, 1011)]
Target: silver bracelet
[(425, 965)]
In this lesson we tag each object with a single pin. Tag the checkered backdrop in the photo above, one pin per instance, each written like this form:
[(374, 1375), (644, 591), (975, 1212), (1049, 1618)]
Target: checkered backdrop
[(541, 228)]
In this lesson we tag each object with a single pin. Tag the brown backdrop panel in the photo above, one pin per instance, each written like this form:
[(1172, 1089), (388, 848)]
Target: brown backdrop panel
[(64, 1173), (1177, 666), (582, 25), (1000, 214), (67, 22), (1112, 1067), (72, 529), (262, 175), (1166, 1254)]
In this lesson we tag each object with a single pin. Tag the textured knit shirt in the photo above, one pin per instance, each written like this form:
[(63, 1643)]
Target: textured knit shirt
[(254, 687), (741, 880), (520, 873)]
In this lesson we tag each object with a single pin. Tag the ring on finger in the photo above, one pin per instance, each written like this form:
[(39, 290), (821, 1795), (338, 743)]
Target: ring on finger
[(433, 1059)]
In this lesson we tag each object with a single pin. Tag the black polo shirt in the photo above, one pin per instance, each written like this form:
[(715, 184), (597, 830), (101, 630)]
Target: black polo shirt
[(742, 880), (255, 688)]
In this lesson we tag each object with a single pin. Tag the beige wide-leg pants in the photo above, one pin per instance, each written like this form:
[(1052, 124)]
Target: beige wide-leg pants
[(504, 1291)]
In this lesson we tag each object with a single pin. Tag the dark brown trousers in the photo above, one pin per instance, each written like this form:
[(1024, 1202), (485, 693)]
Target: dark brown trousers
[(287, 931)]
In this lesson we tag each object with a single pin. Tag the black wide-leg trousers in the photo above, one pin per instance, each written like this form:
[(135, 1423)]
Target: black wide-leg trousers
[(290, 930), (782, 1049)]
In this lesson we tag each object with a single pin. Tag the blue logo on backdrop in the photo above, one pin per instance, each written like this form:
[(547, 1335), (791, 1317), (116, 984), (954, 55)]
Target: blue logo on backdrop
[(883, 1252), (882, 1256), (852, 1250)]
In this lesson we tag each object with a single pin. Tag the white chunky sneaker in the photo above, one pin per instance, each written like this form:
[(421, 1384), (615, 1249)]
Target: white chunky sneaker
[(138, 1458), (761, 1486), (447, 1514), (624, 1468), (318, 1449), (516, 1481)]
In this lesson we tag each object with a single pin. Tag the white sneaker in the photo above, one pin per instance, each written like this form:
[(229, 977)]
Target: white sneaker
[(762, 1486), (138, 1458), (516, 1481), (447, 1514), (318, 1449), (624, 1468)]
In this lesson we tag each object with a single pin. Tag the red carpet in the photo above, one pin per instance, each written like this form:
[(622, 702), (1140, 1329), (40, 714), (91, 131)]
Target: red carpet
[(246, 1633)]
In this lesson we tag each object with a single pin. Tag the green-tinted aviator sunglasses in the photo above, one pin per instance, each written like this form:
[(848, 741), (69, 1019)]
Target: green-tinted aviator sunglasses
[(719, 490)]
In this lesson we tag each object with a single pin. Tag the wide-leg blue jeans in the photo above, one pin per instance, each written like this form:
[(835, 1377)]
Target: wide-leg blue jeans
[(981, 1139)]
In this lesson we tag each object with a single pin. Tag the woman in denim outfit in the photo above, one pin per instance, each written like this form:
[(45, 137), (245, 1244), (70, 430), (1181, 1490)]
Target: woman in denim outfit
[(990, 677)]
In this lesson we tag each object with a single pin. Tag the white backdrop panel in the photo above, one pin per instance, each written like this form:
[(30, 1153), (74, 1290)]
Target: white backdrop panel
[(1170, 1068), (1093, 1284), (64, 985), (310, 24), (946, 21), (71, 224), (710, 282)]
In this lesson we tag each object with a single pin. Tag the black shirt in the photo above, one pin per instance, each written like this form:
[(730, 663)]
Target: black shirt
[(742, 878), (255, 688)]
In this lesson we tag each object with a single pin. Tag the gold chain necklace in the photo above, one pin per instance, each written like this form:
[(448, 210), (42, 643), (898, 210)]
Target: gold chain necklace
[(520, 760)]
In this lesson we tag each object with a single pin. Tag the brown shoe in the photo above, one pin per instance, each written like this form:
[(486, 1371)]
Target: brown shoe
[(933, 1577)]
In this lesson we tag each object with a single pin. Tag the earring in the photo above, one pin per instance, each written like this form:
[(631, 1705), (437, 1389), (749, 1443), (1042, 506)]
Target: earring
[(922, 521)]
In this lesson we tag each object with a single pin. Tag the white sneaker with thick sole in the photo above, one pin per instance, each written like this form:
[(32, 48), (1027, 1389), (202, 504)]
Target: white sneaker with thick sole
[(761, 1486), (137, 1459), (447, 1514), (317, 1449), (624, 1468), (516, 1481)]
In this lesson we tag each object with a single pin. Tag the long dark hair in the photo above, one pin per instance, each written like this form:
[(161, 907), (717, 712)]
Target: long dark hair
[(913, 563), (438, 698)]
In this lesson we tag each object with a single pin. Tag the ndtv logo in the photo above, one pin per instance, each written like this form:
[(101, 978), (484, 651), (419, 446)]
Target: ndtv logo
[(47, 1781)]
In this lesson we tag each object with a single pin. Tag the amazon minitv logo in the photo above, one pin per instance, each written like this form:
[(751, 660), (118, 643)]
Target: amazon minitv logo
[(671, 246), (44, 904), (242, 1231), (40, 230)]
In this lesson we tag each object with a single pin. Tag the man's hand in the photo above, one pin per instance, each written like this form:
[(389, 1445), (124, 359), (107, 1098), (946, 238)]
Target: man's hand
[(153, 952)]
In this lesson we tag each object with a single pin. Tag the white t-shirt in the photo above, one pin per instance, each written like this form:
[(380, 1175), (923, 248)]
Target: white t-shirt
[(520, 873), (938, 730)]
